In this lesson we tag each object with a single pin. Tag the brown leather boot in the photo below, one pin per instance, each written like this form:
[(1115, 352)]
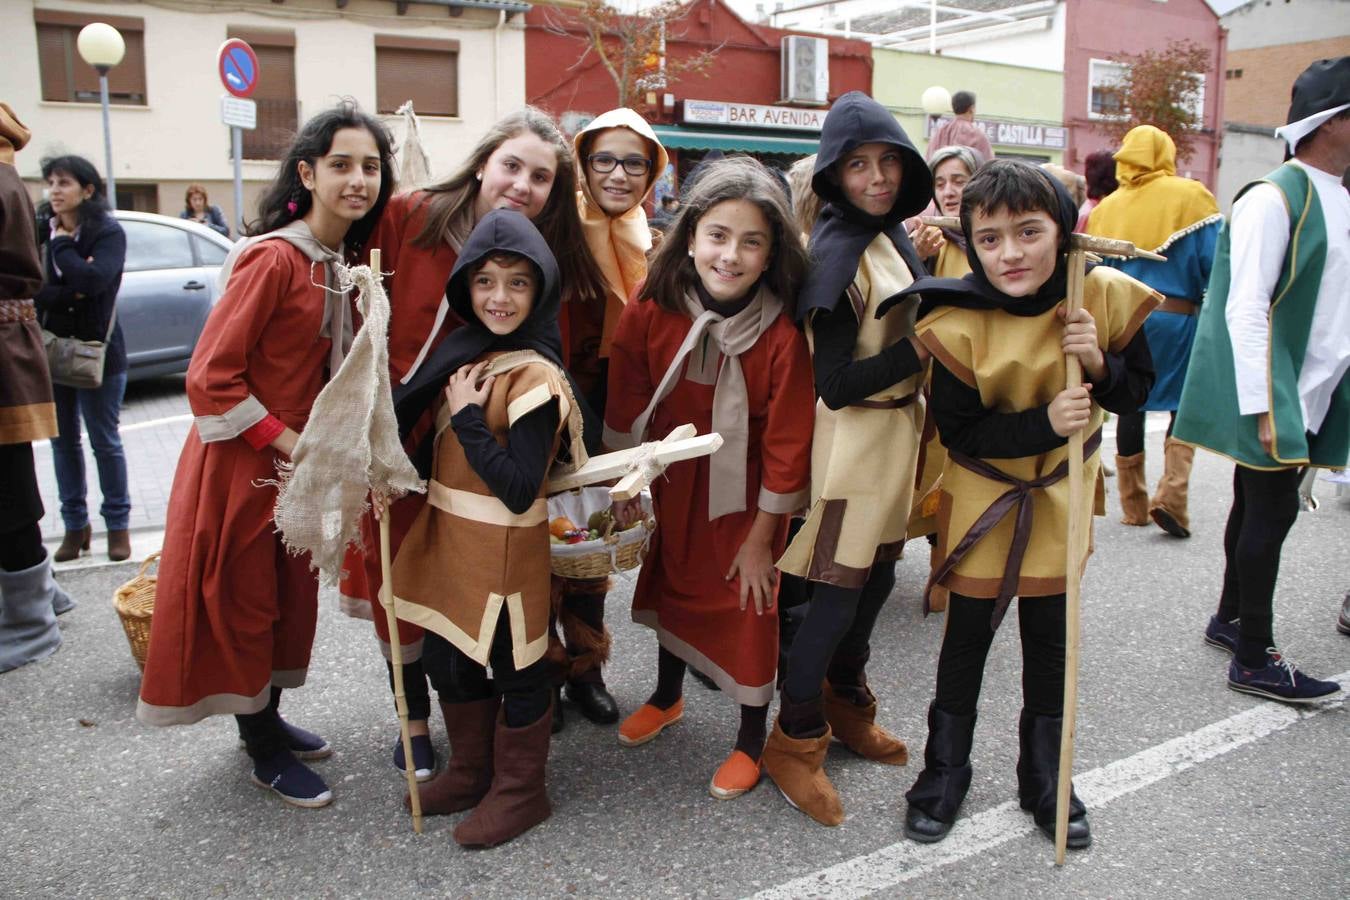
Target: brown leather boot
[(796, 766), (468, 773), (855, 726), (1133, 489), (72, 544), (1168, 508), (119, 545), (517, 800)]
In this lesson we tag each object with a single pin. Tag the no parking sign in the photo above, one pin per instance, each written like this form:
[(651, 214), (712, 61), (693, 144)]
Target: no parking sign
[(238, 67)]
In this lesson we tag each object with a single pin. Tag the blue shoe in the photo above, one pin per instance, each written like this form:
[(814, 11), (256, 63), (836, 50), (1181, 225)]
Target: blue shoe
[(304, 744), (424, 757), (1223, 635), (1278, 680), (292, 781)]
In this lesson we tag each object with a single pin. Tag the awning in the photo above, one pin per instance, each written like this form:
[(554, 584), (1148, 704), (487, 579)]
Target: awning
[(677, 138)]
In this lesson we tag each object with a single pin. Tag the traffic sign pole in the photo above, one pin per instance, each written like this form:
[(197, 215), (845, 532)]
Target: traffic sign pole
[(237, 145), (237, 66)]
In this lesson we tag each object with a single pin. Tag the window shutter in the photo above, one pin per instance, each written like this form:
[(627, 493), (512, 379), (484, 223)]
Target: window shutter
[(54, 62), (417, 69)]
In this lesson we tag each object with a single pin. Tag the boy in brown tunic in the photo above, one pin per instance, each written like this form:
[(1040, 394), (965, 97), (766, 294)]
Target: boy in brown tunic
[(474, 567)]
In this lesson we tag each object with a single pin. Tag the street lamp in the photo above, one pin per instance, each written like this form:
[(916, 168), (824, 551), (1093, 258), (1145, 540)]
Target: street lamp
[(101, 46), (936, 101)]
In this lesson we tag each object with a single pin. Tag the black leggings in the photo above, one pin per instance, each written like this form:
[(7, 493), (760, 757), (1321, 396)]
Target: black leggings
[(21, 549), (1265, 505), (1130, 432), (261, 731), (965, 647), (838, 622), (458, 679), (414, 689)]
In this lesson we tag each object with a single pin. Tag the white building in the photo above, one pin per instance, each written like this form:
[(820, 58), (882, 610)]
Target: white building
[(460, 61)]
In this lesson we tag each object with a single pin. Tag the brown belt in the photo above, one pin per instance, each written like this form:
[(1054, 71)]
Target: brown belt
[(1179, 306), (1017, 496), (897, 403), (17, 311)]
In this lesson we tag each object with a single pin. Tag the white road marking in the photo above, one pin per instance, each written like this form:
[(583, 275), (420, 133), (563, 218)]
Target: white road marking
[(155, 423), (906, 860)]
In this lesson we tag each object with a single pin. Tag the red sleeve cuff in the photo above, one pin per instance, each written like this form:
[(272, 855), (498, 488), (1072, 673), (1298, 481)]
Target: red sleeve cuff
[(264, 432)]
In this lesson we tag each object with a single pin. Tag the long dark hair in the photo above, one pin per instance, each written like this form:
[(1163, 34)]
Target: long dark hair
[(93, 208), (313, 142), (558, 221), (672, 272)]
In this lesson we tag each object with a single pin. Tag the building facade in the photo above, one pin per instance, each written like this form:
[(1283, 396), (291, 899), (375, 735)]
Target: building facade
[(461, 62), (1269, 43)]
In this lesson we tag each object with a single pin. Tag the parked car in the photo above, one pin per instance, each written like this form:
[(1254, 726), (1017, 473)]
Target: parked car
[(168, 288)]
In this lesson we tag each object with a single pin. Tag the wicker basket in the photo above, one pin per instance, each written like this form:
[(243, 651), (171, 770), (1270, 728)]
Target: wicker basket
[(614, 552), (135, 604)]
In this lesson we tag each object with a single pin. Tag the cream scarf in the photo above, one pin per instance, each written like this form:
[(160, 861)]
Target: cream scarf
[(731, 408)]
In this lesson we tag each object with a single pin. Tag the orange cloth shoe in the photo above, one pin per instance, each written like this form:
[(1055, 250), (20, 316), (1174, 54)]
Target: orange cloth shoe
[(647, 722), (737, 774)]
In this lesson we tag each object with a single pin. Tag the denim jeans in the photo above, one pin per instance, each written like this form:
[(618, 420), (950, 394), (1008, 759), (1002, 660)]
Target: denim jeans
[(100, 408)]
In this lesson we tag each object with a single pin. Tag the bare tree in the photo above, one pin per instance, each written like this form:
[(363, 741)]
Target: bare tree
[(1161, 88)]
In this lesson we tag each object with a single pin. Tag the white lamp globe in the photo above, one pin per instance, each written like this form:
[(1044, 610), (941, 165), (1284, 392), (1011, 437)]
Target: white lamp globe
[(101, 45), (936, 101)]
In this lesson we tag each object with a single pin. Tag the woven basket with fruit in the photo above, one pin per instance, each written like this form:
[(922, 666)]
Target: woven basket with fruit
[(587, 542)]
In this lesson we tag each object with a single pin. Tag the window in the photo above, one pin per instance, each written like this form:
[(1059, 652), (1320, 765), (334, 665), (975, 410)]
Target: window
[(154, 246), (209, 253), (423, 70), (278, 110), (1105, 98), (67, 78)]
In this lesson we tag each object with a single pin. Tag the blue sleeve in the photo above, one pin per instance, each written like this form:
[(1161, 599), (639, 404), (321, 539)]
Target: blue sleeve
[(93, 271)]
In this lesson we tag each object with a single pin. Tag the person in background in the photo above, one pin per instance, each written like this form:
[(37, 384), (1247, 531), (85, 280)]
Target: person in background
[(30, 600), (962, 130), (85, 256), (1100, 174), (1178, 218), (1269, 381), (199, 210)]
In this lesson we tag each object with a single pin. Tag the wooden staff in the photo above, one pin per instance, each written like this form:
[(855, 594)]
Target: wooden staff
[(1073, 576), (388, 601)]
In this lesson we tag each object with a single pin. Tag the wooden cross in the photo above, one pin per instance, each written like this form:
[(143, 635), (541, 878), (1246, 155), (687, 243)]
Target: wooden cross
[(638, 467)]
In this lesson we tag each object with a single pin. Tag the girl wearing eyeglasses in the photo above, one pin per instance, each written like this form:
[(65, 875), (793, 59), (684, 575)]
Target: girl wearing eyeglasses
[(617, 159)]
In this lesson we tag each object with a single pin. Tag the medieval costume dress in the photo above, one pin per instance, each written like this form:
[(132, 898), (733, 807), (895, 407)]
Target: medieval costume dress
[(30, 599), (1273, 348), (473, 569), (1003, 512), (619, 245), (746, 374), (869, 421), (1178, 218)]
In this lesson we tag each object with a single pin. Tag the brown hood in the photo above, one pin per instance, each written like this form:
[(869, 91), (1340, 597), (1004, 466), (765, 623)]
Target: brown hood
[(13, 134)]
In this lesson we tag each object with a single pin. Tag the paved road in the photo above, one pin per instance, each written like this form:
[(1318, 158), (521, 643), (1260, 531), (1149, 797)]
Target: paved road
[(1195, 791)]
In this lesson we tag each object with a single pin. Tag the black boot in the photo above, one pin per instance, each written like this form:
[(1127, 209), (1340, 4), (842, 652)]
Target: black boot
[(1038, 778), (582, 616), (936, 795)]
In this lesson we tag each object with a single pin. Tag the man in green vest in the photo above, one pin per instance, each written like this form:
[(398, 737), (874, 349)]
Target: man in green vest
[(1267, 384)]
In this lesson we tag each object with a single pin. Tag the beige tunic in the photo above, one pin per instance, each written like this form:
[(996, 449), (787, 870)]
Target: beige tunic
[(863, 457), (1016, 363), (467, 554)]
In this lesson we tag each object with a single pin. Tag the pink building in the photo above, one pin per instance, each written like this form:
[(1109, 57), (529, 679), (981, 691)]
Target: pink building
[(1097, 30)]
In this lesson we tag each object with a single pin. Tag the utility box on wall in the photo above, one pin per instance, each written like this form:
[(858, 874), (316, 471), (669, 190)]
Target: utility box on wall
[(806, 69)]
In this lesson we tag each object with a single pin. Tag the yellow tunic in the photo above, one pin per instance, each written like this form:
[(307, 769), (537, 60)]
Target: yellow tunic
[(467, 554), (1015, 362), (863, 457)]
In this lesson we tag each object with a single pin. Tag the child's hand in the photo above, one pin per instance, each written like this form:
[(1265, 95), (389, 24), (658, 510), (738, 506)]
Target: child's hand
[(1070, 410), (626, 512), (460, 391), (754, 565), (1080, 340), (1265, 433), (928, 240), (922, 352)]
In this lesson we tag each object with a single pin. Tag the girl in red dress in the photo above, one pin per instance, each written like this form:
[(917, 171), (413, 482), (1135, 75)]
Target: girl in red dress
[(524, 164), (711, 342), (234, 612)]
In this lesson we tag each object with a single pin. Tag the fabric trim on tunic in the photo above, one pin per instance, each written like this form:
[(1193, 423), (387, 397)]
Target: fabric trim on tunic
[(746, 695), (213, 705), (231, 423), (482, 508), (781, 504)]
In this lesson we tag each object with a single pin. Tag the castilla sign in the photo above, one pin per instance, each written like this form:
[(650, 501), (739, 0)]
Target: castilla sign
[(1011, 134), (749, 115)]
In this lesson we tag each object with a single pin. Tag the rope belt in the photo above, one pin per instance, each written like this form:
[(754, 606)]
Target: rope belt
[(1179, 306), (897, 403), (17, 311), (1017, 496)]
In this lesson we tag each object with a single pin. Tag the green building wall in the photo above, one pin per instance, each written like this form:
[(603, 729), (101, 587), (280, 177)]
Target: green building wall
[(1007, 93)]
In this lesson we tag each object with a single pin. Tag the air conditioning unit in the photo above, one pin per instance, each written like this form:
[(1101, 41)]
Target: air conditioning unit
[(806, 69)]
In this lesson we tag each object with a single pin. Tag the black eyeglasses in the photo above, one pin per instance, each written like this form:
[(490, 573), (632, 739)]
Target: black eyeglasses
[(604, 163)]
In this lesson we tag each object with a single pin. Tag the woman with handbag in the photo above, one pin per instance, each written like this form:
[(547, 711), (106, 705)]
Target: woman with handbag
[(83, 272)]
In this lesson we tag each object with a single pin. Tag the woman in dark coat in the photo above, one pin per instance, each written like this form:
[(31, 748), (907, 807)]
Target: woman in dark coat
[(82, 274)]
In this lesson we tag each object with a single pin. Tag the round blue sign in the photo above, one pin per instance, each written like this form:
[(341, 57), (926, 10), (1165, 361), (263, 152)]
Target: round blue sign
[(238, 66)]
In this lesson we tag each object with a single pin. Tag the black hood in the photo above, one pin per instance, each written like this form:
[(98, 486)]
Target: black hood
[(842, 232), (975, 291), (499, 230)]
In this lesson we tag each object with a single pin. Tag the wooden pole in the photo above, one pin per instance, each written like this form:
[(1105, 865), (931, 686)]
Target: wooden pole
[(1072, 578), (395, 649)]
